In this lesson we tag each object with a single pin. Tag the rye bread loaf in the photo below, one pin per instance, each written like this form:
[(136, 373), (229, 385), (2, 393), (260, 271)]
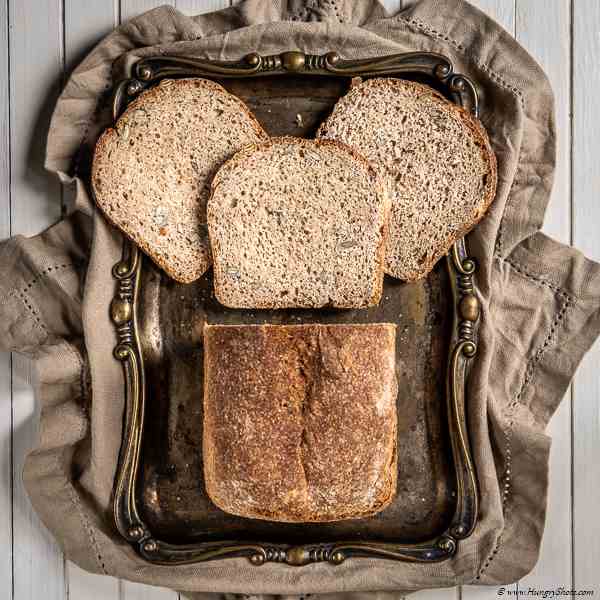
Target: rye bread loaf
[(297, 223), (151, 172), (435, 157), (300, 421)]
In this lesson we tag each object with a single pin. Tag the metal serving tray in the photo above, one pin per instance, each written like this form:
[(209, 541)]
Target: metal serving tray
[(160, 502)]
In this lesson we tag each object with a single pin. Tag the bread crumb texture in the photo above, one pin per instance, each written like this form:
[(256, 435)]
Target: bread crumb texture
[(300, 421), (298, 223), (151, 173), (436, 159)]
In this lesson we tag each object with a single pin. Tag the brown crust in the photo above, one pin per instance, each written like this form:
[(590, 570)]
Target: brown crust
[(246, 478), (483, 143), (107, 138), (250, 149)]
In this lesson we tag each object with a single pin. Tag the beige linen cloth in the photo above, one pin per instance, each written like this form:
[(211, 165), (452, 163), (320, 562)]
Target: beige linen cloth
[(541, 300)]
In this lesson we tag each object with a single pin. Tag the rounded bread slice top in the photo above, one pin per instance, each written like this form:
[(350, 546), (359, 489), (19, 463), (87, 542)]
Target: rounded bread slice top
[(435, 158), (151, 173)]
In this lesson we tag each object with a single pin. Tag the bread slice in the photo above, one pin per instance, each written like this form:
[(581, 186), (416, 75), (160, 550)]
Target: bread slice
[(298, 223), (436, 159), (151, 172), (300, 421)]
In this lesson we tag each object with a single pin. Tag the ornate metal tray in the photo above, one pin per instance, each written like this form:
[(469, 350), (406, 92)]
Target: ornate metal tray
[(160, 504)]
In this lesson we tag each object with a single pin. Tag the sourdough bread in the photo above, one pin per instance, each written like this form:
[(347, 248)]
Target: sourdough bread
[(297, 223), (151, 172), (436, 159), (300, 421)]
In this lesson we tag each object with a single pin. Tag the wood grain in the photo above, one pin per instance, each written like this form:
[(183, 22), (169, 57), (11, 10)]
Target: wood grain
[(86, 23), (534, 28), (38, 564), (36, 63), (502, 11), (82, 585), (4, 131), (6, 550), (392, 6), (586, 224)]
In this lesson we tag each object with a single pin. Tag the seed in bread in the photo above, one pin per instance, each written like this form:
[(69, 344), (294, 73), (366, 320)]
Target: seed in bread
[(300, 421), (151, 172), (435, 157), (297, 223)]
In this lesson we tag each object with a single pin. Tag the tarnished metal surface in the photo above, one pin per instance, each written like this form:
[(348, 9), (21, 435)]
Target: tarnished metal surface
[(160, 502), (175, 501)]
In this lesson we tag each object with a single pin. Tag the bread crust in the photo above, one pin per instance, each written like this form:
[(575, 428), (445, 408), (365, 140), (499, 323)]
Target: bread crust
[(110, 137), (242, 155), (300, 421), (482, 141)]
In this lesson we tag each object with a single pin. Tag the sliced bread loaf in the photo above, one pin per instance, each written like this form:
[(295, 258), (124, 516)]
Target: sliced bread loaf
[(297, 223), (300, 421), (151, 172), (436, 159)]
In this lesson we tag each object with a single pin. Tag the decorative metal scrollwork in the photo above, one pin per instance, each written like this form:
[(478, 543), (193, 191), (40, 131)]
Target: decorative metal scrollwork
[(463, 349)]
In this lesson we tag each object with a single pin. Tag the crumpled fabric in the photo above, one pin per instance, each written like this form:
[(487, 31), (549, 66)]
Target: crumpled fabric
[(540, 299)]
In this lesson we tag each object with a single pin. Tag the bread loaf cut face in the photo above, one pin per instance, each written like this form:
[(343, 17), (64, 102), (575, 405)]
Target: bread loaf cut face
[(436, 159), (300, 421), (298, 223), (151, 173)]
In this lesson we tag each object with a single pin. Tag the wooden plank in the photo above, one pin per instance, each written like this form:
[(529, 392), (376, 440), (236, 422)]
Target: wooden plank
[(534, 29), (586, 221), (132, 8), (36, 62), (502, 11), (83, 586), (38, 562), (6, 553), (393, 6), (4, 126), (85, 23)]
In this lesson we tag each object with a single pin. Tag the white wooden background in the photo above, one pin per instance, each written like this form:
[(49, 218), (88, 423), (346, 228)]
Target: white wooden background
[(40, 41)]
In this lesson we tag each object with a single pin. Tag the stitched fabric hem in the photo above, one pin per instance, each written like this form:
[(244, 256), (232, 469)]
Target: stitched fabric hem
[(529, 375)]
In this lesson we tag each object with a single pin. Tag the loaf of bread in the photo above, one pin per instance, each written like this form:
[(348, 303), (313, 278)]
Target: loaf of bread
[(300, 421), (151, 173), (298, 223), (436, 159)]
